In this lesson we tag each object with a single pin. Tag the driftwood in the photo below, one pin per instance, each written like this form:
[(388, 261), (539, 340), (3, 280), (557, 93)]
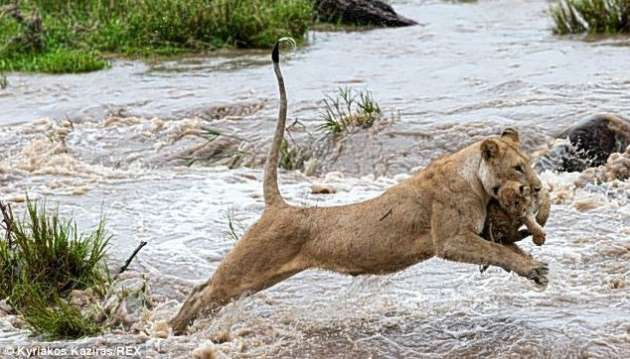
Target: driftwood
[(360, 12)]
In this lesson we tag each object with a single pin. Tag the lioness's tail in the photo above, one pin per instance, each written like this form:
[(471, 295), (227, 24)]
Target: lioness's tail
[(270, 184)]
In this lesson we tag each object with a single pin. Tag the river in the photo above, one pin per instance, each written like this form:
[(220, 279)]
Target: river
[(113, 142)]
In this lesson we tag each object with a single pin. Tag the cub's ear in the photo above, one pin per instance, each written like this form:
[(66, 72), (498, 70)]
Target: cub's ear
[(489, 149), (511, 134)]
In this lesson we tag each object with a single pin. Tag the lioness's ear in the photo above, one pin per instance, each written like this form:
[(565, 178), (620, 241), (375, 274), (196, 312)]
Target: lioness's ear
[(489, 149), (511, 134)]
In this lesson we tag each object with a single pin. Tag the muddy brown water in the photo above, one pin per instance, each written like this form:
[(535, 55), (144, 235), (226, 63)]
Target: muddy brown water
[(467, 71)]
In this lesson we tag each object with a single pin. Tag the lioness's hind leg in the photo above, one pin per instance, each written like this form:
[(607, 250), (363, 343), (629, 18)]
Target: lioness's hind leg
[(252, 265)]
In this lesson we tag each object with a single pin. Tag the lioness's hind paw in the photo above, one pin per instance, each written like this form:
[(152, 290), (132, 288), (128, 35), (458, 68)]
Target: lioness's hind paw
[(539, 274)]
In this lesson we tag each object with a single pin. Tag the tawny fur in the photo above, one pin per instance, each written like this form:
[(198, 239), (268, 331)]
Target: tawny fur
[(439, 211)]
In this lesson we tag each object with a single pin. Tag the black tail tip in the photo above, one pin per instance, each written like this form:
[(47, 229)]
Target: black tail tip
[(275, 53)]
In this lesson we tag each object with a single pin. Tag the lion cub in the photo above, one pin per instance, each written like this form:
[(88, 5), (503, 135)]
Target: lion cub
[(516, 206)]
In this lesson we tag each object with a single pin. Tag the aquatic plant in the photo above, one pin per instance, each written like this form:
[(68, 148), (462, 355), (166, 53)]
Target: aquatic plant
[(592, 16), (292, 155), (79, 31), (235, 227), (42, 259), (4, 82), (349, 109)]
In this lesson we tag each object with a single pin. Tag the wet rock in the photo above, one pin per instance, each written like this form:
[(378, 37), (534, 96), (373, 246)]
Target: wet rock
[(161, 329), (88, 303), (5, 308), (127, 303), (82, 298), (616, 283), (319, 188), (230, 111), (588, 144), (220, 336), (310, 167), (586, 205), (360, 12), (206, 351)]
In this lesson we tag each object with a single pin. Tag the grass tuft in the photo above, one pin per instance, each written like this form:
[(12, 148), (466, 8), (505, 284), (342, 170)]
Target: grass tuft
[(293, 156), (236, 229), (42, 260), (591, 16), (52, 316), (349, 109)]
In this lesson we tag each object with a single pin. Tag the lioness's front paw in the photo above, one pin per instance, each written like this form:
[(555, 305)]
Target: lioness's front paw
[(539, 274)]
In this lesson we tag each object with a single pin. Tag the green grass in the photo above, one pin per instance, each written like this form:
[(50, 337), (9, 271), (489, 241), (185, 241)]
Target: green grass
[(349, 109), (293, 156), (55, 62), (236, 229), (77, 33), (52, 316), (591, 16), (46, 258)]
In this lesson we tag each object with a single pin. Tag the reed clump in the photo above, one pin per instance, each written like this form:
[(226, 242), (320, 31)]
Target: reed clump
[(591, 16), (43, 258)]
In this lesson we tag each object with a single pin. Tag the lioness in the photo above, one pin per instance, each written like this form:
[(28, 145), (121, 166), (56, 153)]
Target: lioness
[(439, 211)]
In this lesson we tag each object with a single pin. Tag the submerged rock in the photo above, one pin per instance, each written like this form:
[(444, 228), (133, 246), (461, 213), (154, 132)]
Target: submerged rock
[(587, 144), (360, 12), (322, 188), (205, 351)]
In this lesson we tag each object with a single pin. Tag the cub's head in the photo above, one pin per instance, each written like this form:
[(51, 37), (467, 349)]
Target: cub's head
[(515, 198), (503, 160)]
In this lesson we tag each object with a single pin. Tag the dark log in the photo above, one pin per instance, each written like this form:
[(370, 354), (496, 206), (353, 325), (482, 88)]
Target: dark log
[(360, 12)]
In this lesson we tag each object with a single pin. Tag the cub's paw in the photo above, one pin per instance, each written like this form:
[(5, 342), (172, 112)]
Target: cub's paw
[(539, 239), (538, 273)]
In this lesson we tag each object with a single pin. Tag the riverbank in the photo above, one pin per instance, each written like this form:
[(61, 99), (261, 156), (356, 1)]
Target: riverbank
[(62, 37)]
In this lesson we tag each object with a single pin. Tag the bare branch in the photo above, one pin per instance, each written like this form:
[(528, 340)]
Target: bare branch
[(135, 252)]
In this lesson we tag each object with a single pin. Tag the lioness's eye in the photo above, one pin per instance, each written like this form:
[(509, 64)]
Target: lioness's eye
[(519, 168)]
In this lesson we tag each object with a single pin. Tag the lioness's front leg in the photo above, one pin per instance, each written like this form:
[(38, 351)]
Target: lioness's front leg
[(455, 239)]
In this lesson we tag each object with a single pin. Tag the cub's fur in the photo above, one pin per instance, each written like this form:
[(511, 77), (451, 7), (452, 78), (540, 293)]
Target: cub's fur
[(517, 205), (439, 211)]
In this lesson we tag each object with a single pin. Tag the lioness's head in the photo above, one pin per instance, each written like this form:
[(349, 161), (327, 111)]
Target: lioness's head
[(503, 160)]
